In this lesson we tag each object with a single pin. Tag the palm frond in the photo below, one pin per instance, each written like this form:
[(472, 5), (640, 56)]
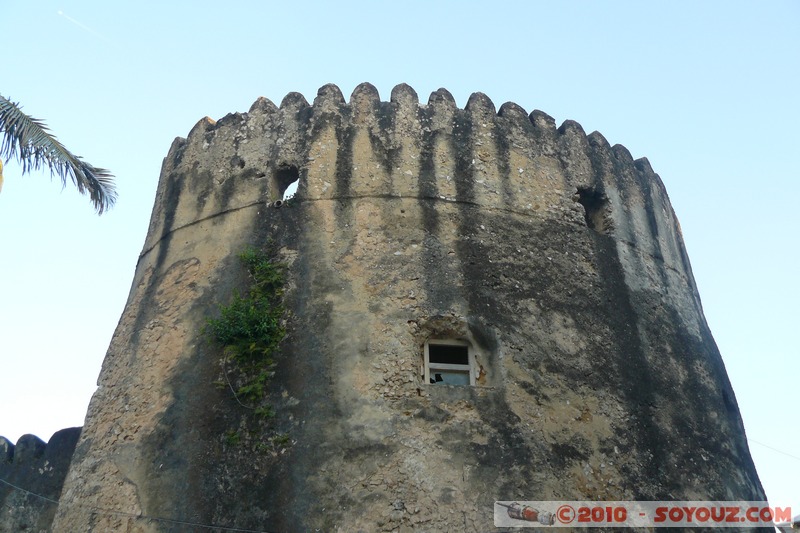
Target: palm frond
[(29, 141)]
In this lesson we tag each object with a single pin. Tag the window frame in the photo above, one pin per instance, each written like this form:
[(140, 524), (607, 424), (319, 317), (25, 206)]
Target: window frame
[(468, 368)]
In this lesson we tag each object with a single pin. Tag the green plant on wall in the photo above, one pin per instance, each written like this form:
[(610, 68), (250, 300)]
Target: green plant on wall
[(249, 330)]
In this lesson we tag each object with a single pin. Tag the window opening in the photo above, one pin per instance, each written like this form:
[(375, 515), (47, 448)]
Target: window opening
[(449, 362), (595, 208), (286, 181)]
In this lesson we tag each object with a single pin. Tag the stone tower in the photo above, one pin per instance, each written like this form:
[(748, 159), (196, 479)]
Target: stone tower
[(480, 306)]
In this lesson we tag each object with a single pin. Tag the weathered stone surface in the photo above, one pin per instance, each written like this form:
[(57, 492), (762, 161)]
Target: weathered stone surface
[(33, 473), (557, 256)]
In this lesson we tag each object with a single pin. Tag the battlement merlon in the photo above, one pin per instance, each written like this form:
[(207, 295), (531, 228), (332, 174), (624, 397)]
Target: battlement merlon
[(33, 467)]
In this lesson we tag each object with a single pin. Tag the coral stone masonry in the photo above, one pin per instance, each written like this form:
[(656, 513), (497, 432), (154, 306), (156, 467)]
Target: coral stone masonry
[(479, 306)]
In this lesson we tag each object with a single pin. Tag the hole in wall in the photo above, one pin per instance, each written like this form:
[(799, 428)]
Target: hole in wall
[(285, 181), (596, 209)]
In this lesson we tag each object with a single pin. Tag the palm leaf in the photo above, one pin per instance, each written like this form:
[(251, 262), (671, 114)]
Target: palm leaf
[(29, 141)]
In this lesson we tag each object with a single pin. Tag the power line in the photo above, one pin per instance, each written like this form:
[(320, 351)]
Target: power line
[(110, 512), (45, 498), (774, 449)]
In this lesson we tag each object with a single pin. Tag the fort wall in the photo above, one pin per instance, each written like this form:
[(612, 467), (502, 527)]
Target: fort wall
[(556, 257), (31, 476)]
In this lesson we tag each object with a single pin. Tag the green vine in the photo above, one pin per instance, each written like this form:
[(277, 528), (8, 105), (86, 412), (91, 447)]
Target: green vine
[(249, 329)]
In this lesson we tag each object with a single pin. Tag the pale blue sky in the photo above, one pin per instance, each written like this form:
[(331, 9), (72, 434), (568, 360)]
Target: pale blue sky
[(707, 91)]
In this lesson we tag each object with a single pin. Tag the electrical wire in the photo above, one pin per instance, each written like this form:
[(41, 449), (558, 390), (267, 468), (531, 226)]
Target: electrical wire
[(774, 449)]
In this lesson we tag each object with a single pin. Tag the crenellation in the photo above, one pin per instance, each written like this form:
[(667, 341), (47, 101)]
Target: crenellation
[(642, 234), (677, 277), (442, 98), (598, 139), (622, 154), (262, 106), (405, 139), (442, 95), (488, 153), (643, 165), (322, 157), (405, 97), (6, 450), (329, 100), (505, 145), (604, 182), (569, 126), (544, 134), (643, 231), (480, 106), (175, 154), (516, 115), (441, 109), (33, 475), (231, 120), (542, 121), (28, 449), (601, 159), (200, 129), (462, 143), (260, 130), (437, 157), (576, 172), (289, 148), (370, 153), (524, 169), (512, 172), (363, 101), (384, 136), (616, 179), (573, 150), (293, 102)]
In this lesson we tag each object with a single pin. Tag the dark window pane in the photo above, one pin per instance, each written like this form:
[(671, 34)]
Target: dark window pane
[(448, 354)]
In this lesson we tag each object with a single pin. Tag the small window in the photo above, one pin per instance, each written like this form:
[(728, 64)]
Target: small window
[(596, 210), (285, 181), (449, 362)]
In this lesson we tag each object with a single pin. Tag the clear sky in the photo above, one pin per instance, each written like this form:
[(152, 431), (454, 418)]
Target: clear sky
[(707, 91)]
